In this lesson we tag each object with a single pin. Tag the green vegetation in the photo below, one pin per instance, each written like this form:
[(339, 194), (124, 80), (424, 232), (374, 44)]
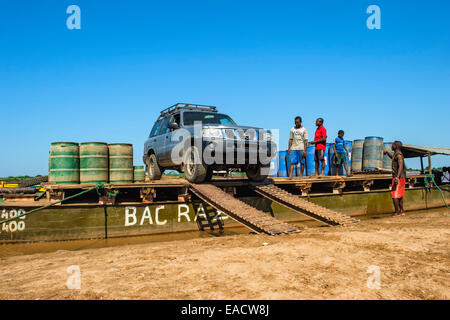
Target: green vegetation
[(173, 174), (440, 169), (238, 174), (18, 178), (181, 175), (426, 169)]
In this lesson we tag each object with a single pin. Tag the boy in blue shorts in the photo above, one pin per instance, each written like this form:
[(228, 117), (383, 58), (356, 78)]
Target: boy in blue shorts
[(298, 139), (340, 152)]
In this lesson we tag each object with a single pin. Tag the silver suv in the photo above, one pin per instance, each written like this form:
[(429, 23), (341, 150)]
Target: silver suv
[(197, 139)]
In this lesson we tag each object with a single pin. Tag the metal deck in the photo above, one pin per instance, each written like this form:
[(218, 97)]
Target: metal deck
[(172, 190)]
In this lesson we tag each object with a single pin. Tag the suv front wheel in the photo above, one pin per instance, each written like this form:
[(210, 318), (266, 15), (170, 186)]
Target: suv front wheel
[(153, 169), (194, 170)]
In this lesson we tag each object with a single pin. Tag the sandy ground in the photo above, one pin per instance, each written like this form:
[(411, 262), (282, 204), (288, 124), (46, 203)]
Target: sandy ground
[(412, 253)]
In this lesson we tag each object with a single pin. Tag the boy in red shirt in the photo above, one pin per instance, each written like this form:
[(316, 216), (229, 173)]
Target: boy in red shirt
[(320, 141)]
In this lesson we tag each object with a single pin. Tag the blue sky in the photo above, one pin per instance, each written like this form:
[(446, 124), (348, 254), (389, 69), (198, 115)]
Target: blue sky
[(262, 62)]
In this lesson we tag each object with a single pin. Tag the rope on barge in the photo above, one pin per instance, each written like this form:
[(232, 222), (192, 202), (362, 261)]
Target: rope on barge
[(97, 188)]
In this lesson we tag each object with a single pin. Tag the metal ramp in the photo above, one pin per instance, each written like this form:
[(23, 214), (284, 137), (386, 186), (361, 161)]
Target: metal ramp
[(249, 216), (210, 219), (297, 204)]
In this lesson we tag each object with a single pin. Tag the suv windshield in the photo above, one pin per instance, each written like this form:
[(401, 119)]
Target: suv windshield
[(206, 118), (155, 129)]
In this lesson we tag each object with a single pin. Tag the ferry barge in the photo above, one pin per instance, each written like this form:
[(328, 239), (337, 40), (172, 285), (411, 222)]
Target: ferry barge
[(279, 205)]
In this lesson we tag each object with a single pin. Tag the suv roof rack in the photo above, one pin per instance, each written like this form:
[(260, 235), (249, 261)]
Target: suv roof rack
[(186, 106)]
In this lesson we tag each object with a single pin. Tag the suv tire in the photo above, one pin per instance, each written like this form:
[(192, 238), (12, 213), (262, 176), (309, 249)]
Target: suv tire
[(257, 173), (153, 169), (194, 172), (209, 174)]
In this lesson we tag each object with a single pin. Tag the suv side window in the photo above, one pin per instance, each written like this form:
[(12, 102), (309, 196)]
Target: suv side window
[(155, 128), (164, 125)]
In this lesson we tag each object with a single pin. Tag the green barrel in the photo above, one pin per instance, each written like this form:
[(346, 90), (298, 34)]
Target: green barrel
[(139, 174), (94, 162), (120, 163), (64, 163)]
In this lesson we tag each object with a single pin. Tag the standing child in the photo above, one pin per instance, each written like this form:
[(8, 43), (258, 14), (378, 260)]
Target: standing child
[(340, 152)]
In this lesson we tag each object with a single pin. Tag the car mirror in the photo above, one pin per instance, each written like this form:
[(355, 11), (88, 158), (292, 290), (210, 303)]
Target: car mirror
[(173, 126)]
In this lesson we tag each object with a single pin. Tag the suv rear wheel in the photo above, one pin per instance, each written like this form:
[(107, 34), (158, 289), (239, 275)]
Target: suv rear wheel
[(194, 170), (153, 169), (257, 173)]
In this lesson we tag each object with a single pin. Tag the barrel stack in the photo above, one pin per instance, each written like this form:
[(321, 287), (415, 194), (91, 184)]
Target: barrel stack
[(93, 162)]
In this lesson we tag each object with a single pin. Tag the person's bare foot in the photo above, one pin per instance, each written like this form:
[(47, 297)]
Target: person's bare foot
[(322, 175), (399, 214)]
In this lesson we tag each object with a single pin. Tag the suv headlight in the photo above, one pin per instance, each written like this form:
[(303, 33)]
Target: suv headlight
[(211, 133), (264, 135)]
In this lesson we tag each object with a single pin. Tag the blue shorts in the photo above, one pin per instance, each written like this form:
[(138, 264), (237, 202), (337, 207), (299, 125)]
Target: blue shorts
[(296, 157)]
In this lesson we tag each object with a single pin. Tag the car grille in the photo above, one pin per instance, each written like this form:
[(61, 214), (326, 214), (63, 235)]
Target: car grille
[(240, 134), (249, 135), (229, 133)]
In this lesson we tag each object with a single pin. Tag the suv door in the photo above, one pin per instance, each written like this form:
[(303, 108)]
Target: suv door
[(169, 143), (163, 142), (157, 140), (150, 143)]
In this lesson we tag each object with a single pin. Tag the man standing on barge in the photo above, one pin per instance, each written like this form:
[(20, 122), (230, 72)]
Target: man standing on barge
[(298, 140), (320, 141), (398, 177)]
